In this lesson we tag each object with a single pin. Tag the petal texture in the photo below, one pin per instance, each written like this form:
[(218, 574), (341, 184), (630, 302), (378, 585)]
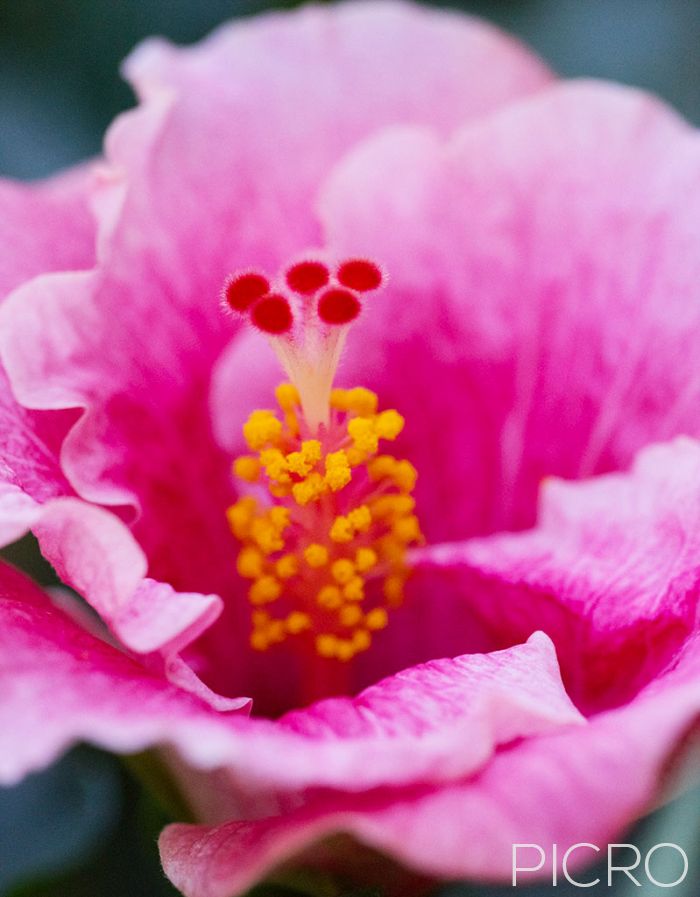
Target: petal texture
[(610, 573), (193, 188), (544, 300), (434, 722), (59, 684), (617, 555), (43, 227)]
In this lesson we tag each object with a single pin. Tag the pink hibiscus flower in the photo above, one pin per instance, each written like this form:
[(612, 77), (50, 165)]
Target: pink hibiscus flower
[(536, 324)]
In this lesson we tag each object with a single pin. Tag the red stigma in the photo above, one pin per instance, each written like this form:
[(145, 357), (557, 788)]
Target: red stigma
[(272, 314), (338, 307), (242, 290), (307, 277), (360, 275)]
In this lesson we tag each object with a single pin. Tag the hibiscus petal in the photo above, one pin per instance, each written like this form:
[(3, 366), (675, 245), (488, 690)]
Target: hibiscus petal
[(610, 573), (59, 684), (434, 722), (616, 557), (542, 311), (193, 188), (568, 788), (30, 218)]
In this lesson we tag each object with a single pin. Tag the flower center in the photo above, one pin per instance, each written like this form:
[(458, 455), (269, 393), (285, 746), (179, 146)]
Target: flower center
[(326, 517)]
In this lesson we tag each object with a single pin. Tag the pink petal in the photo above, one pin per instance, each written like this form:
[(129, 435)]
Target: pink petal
[(610, 573), (59, 684), (93, 552), (218, 169), (585, 784), (543, 307), (430, 723), (31, 217)]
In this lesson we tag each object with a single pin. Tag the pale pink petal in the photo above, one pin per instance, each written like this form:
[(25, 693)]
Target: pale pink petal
[(544, 301), (59, 685), (43, 227), (94, 552), (192, 188), (583, 785)]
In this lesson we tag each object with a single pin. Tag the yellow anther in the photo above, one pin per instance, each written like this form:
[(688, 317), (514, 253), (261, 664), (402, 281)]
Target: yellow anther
[(275, 465), (247, 468), (342, 571), (279, 517), (287, 566), (264, 590), (316, 555), (381, 466), (261, 429), (338, 472), (291, 422), (278, 556), (338, 478), (391, 549), (310, 489), (287, 396), (365, 559), (342, 530), (405, 476), (392, 506), (360, 519), (361, 640), (355, 456), (260, 619), (355, 589), (350, 615), (362, 432), (345, 650), (311, 450), (377, 618), (329, 597), (303, 461), (393, 589), (259, 640), (297, 622), (276, 631), (389, 424), (240, 516), (362, 401), (326, 644), (250, 562), (407, 529), (339, 399), (266, 535)]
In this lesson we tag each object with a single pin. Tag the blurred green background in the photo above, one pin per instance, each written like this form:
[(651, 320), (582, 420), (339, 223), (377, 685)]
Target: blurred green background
[(85, 828)]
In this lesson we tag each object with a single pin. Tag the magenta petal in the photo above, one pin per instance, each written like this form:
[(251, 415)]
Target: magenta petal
[(31, 217), (59, 684), (528, 328), (434, 722), (583, 785), (194, 187), (610, 573)]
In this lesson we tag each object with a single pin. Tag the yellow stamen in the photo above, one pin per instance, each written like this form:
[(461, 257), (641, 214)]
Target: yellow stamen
[(342, 571), (261, 429), (327, 552), (247, 468), (316, 555)]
